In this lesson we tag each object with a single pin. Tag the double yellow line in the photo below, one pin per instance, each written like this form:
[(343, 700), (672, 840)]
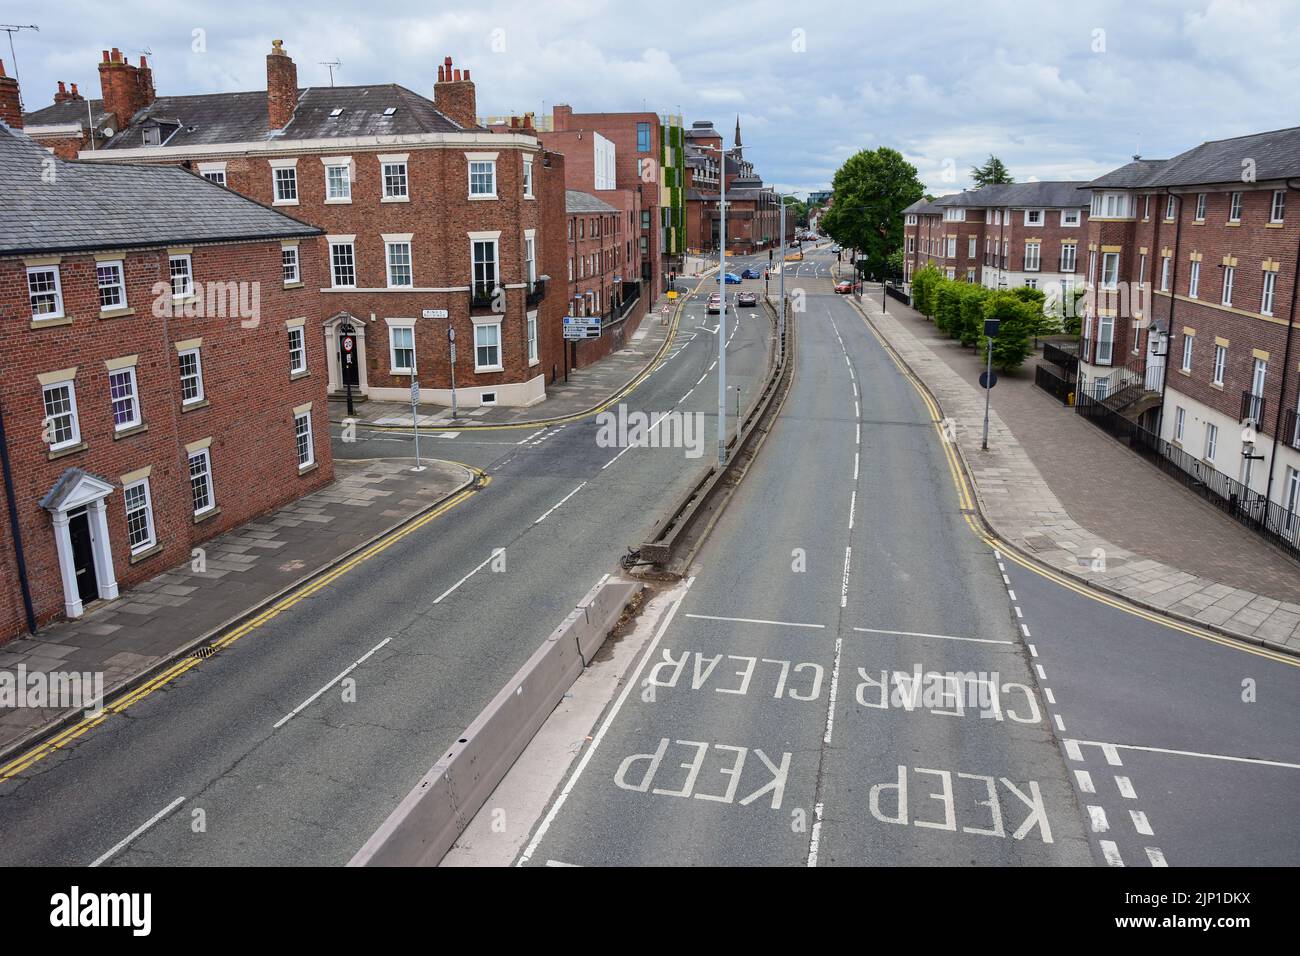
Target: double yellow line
[(314, 586), (970, 511)]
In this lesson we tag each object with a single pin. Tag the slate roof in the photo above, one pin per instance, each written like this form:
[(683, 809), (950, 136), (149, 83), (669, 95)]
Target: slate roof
[(923, 207), (578, 201), (69, 111), (1136, 173), (210, 119), (1068, 193), (110, 206), (1275, 155)]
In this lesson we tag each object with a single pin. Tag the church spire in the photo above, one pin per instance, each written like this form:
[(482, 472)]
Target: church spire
[(738, 146)]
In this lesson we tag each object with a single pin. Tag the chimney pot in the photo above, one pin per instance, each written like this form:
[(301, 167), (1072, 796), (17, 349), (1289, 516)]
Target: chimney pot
[(61, 88), (467, 74), (75, 94), (105, 56)]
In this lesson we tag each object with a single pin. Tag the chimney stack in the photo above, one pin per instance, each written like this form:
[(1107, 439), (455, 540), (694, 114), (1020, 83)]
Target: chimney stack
[(453, 95), (126, 89), (560, 116), (281, 86), (10, 110)]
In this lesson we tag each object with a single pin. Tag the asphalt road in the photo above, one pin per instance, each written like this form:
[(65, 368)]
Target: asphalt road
[(855, 677), (212, 770)]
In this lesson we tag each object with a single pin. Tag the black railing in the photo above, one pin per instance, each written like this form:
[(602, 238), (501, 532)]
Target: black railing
[(1252, 407), (1085, 350), (534, 291), (482, 296), (1066, 357), (1053, 384), (1268, 519)]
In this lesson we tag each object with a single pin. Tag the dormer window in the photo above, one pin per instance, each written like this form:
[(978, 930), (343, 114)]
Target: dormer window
[(152, 136)]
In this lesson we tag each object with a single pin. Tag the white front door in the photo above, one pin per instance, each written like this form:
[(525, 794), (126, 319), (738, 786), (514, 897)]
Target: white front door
[(1157, 346)]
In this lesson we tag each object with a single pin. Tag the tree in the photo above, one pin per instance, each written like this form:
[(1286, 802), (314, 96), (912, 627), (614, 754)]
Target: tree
[(1011, 345), (971, 325), (872, 189), (947, 306), (894, 265), (992, 173), (923, 287)]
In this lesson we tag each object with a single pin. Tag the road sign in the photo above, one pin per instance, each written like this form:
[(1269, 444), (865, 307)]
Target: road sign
[(988, 379), (451, 334), (573, 333), (415, 393), (434, 314), (991, 327), (348, 354), (453, 353)]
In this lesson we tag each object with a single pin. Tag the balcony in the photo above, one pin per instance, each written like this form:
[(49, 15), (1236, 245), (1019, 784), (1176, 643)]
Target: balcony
[(482, 297), (535, 291), (1291, 428), (1252, 408)]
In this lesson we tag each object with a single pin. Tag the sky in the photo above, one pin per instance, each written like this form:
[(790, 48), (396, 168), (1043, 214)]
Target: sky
[(1056, 90)]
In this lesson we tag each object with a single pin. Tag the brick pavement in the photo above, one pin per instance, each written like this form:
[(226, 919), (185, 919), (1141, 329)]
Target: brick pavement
[(1061, 489), (230, 576)]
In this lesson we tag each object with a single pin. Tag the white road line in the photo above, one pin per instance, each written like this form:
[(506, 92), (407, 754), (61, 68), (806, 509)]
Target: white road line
[(685, 397), (1060, 724), (1020, 613), (1097, 819), (1033, 651), (600, 734), (834, 693), (118, 848), (560, 863), (1042, 675), (844, 587), (857, 409), (814, 843), (853, 507), (560, 502), (753, 620), (1072, 750), (1125, 787), (533, 435), (1025, 628), (438, 599), (945, 637), (346, 671), (858, 438), (1005, 579), (1111, 751), (1011, 594), (1140, 823), (1156, 857), (1085, 781), (702, 378), (1051, 698), (856, 457), (1111, 852)]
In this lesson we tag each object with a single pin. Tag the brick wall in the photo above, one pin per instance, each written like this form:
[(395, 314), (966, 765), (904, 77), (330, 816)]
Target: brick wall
[(248, 410)]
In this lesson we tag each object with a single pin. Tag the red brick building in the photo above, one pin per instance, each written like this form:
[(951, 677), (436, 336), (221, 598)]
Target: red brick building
[(430, 220), (1194, 263), (753, 210), (159, 384)]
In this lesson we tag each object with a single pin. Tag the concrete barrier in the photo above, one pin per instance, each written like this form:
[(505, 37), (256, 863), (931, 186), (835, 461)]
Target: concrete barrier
[(428, 820)]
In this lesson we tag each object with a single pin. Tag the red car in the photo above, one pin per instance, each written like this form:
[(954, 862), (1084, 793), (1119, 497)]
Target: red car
[(844, 287)]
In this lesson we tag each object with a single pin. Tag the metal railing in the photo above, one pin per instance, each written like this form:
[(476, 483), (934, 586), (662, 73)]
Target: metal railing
[(1061, 356), (1269, 520), (1252, 407), (1053, 384), (1291, 428)]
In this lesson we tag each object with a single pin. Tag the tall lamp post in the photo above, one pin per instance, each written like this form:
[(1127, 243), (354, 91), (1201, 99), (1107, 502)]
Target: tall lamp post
[(783, 197), (722, 311)]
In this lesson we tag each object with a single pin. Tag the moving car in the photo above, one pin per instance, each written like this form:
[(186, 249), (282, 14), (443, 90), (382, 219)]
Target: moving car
[(751, 273), (732, 279), (844, 286), (715, 303), (747, 298)]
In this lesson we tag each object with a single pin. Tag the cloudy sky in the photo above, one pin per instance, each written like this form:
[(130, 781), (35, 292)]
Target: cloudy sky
[(1058, 90)]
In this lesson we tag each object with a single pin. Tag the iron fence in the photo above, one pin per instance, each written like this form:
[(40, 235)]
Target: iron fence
[(1053, 384)]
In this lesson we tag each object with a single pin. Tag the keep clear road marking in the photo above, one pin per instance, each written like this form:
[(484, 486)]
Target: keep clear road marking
[(633, 681), (118, 848), (348, 670), (944, 637)]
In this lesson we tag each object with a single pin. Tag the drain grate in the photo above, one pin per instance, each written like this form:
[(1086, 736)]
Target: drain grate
[(203, 653)]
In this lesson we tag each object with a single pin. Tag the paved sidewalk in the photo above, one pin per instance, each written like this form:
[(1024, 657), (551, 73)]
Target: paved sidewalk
[(162, 618), (586, 388), (1061, 489)]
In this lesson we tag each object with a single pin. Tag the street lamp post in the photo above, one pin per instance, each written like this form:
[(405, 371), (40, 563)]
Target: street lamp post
[(722, 309)]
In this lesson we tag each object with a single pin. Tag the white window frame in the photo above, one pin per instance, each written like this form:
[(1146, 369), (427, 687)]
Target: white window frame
[(1180, 422), (1268, 293), (528, 177), (1105, 337), (206, 456), (533, 357), (1034, 225), (1189, 343), (1200, 207), (389, 248), (1277, 208), (133, 396), (188, 274), (1211, 441), (1194, 280), (1165, 268), (197, 375), (952, 248), (491, 172), (1110, 270), (299, 418), (298, 351), (147, 508), (393, 367), (352, 255), (1071, 218), (1170, 208), (1069, 256), (490, 367), (284, 180), (57, 292), (119, 266), (289, 254), (496, 265), (1229, 274), (970, 247), (1234, 208), (344, 195), (74, 419), (1220, 364), (1033, 263), (390, 195)]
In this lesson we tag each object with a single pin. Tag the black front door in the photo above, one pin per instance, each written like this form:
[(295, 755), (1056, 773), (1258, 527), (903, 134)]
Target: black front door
[(83, 557)]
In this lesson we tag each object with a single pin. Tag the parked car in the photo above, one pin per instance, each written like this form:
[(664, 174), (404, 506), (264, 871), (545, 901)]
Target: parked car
[(732, 279), (751, 273), (747, 299), (715, 303), (844, 286), (835, 249)]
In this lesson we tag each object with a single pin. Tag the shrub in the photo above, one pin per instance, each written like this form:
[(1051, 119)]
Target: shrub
[(947, 306), (971, 325), (1016, 317)]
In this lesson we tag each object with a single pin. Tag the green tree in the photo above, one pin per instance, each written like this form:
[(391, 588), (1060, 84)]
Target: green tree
[(947, 306), (992, 172), (872, 189), (971, 325), (923, 284), (894, 265), (1012, 345)]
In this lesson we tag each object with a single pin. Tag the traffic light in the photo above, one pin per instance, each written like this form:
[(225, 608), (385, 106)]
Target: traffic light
[(769, 255)]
